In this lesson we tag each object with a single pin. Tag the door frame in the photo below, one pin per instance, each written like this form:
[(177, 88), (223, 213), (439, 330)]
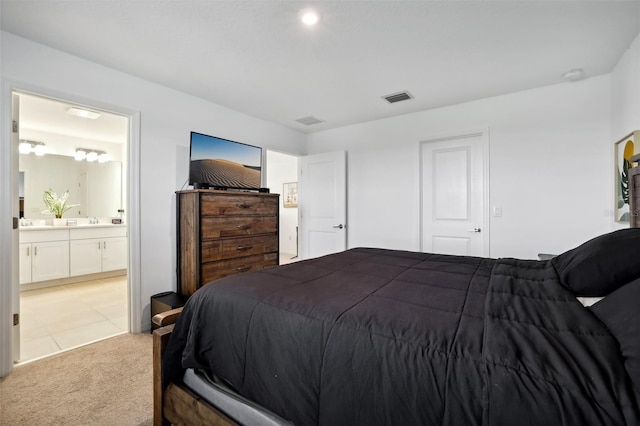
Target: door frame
[(277, 190), (9, 266), (483, 134)]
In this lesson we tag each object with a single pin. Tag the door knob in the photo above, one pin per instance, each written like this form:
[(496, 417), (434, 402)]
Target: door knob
[(339, 226), (475, 230)]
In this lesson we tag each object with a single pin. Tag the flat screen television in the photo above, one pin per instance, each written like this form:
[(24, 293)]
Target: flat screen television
[(223, 164)]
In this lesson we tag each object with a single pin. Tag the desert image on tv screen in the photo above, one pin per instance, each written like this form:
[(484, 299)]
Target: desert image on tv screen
[(222, 163)]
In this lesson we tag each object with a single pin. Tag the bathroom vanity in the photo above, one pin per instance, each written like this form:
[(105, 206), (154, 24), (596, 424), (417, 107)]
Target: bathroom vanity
[(61, 252)]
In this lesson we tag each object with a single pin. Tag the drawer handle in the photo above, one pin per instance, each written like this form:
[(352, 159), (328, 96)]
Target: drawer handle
[(243, 205), (243, 227), (243, 268), (243, 248)]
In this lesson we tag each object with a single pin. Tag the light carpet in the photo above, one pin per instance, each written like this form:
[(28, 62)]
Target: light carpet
[(106, 383)]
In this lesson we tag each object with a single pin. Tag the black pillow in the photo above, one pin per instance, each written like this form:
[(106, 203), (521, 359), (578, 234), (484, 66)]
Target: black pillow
[(601, 265), (620, 312)]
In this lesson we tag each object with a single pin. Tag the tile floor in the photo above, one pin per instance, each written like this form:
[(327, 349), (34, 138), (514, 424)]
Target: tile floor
[(287, 258), (58, 318)]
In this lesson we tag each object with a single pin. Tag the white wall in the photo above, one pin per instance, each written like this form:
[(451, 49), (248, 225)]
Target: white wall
[(625, 93), (625, 101), (549, 168), (167, 117), (282, 168)]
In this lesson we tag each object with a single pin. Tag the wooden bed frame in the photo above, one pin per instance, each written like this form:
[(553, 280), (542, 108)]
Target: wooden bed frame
[(178, 405)]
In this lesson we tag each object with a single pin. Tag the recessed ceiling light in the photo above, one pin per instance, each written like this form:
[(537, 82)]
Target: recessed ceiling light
[(309, 17), (79, 112)]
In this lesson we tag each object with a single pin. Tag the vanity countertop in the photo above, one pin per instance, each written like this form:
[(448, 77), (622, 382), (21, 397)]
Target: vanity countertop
[(84, 226)]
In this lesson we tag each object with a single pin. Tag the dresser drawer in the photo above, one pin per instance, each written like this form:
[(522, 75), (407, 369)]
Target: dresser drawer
[(238, 247), (221, 226), (232, 205), (223, 268)]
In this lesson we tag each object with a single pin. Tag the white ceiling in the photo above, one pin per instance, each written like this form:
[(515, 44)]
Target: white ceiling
[(257, 58), (39, 115)]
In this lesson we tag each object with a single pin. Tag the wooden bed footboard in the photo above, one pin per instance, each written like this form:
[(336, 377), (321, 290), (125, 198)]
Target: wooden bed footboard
[(177, 404)]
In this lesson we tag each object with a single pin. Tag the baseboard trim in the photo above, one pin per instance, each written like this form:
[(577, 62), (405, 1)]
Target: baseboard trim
[(72, 280)]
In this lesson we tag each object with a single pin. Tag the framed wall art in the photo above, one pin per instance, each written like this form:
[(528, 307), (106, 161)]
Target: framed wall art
[(290, 194), (624, 149)]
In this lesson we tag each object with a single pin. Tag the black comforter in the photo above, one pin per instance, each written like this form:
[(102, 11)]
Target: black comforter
[(381, 337)]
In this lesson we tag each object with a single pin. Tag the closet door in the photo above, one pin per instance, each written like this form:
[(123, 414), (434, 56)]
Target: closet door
[(322, 204), (453, 195)]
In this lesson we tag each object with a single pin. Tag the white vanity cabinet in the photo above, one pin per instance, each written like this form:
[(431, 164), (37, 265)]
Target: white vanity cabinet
[(44, 255), (95, 250)]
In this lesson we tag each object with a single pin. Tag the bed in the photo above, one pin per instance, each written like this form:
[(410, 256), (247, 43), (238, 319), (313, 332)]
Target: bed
[(385, 337)]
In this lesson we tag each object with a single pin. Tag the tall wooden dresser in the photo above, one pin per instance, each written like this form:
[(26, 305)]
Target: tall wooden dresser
[(222, 233)]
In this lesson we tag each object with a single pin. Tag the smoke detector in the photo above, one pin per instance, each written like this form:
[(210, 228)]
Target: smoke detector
[(573, 75)]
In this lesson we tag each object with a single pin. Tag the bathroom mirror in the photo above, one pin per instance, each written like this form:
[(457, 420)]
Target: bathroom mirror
[(95, 187)]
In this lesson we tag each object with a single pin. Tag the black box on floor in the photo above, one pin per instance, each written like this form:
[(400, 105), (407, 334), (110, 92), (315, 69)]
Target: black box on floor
[(166, 301)]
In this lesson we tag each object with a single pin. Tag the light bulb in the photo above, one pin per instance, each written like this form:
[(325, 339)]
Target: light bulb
[(40, 150), (24, 147), (309, 17), (92, 156), (80, 155)]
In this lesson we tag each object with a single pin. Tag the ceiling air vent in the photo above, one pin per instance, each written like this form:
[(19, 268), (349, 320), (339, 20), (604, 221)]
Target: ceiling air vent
[(397, 97), (308, 121)]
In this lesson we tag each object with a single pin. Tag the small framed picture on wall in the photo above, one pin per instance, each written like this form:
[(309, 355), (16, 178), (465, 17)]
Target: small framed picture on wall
[(290, 194), (625, 148)]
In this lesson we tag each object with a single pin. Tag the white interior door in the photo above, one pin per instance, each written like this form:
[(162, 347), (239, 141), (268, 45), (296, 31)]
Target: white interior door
[(322, 204), (453, 195)]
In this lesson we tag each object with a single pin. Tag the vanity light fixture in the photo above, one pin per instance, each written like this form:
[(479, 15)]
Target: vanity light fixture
[(84, 113), (27, 147), (91, 155)]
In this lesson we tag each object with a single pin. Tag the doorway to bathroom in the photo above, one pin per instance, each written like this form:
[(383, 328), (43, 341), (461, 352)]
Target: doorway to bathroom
[(74, 283)]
